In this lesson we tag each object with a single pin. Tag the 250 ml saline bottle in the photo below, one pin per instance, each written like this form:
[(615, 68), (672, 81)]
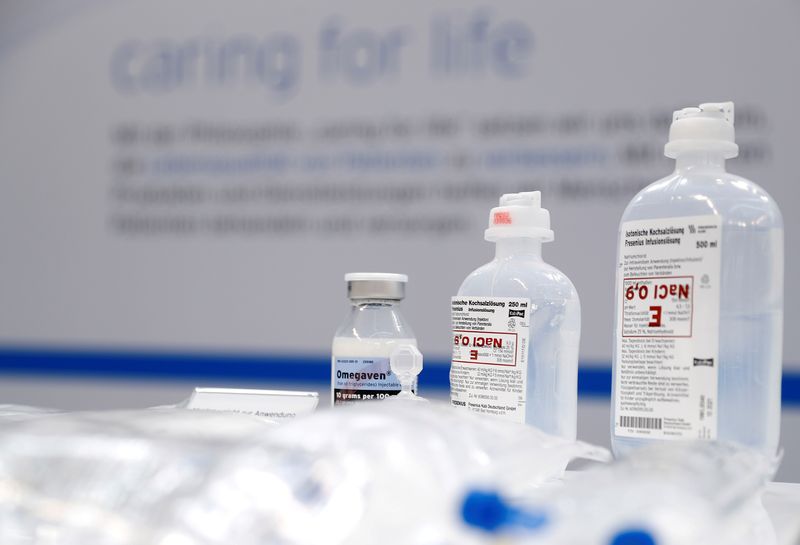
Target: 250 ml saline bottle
[(516, 326), (699, 298), (374, 328)]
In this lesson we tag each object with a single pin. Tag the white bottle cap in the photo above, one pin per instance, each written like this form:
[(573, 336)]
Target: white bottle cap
[(519, 215), (706, 128)]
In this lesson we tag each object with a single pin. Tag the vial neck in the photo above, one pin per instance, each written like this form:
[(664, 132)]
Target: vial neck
[(699, 161), (362, 303), (529, 247)]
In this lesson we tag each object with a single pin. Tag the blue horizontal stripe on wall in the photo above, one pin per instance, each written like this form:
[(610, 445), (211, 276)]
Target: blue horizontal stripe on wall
[(594, 379)]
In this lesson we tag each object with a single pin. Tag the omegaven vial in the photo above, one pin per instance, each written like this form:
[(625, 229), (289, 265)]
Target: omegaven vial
[(516, 325), (699, 299), (364, 343)]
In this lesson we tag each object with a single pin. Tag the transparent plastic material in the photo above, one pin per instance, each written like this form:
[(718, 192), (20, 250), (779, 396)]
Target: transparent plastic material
[(417, 460), (678, 493), (406, 364), (372, 329), (11, 413), (751, 292), (552, 386), (392, 471), (128, 477)]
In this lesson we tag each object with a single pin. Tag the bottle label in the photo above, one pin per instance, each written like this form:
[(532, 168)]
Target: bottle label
[(667, 330), (488, 374), (361, 379)]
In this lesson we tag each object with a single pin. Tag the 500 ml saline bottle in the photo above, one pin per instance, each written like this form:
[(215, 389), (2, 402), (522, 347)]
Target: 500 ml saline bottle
[(373, 329), (516, 326), (699, 298)]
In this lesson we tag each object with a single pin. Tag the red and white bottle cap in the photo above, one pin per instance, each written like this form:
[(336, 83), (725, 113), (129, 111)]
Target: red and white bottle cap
[(519, 215)]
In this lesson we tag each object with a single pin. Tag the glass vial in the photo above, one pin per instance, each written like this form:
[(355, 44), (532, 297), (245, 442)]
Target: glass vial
[(375, 326)]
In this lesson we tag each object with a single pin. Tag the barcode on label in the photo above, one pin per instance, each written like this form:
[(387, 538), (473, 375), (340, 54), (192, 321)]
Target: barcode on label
[(641, 422)]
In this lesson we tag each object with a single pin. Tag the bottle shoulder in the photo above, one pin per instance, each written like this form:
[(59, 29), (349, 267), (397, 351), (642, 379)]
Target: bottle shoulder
[(738, 200), (375, 322), (518, 276)]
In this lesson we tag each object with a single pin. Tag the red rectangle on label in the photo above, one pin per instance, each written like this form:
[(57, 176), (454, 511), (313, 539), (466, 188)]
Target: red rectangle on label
[(475, 340), (651, 294)]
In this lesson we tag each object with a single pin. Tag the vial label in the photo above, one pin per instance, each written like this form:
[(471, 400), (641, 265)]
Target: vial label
[(488, 373), (667, 329), (362, 379)]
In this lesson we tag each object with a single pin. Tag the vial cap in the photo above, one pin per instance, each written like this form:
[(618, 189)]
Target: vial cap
[(519, 215), (366, 285), (708, 127), (633, 536), (485, 510), (488, 511)]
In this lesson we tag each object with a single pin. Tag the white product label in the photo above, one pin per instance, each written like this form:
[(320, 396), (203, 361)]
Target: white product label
[(667, 330), (488, 374), (363, 379)]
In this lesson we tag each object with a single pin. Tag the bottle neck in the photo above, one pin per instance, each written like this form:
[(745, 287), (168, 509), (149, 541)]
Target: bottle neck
[(507, 247), (700, 161), (361, 303)]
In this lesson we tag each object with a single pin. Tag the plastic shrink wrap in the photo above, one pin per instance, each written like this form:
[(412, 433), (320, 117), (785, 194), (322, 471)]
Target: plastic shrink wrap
[(382, 472)]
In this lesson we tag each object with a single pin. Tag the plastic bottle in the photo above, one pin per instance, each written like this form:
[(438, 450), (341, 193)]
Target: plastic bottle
[(364, 342), (516, 326), (699, 299)]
